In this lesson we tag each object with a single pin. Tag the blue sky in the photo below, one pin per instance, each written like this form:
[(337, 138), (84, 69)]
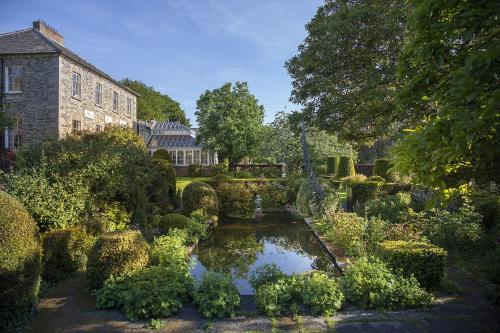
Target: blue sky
[(180, 47)]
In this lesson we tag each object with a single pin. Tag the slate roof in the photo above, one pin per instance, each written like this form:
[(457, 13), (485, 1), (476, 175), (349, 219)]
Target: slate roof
[(31, 41), (169, 125), (173, 141)]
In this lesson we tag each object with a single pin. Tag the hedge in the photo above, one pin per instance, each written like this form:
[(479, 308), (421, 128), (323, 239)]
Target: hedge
[(381, 168), (346, 167), (422, 260), (65, 252), (116, 253), (200, 196), (162, 154), (332, 164), (195, 170), (20, 265), (235, 198), (173, 221), (363, 191), (164, 185), (305, 199)]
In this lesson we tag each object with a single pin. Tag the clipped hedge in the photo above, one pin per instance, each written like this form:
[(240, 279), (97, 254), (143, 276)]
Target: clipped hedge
[(200, 196), (162, 154), (363, 191), (332, 164), (305, 198), (163, 184), (20, 266), (65, 252), (195, 170), (116, 253), (235, 198), (381, 168), (173, 221), (422, 260), (346, 167)]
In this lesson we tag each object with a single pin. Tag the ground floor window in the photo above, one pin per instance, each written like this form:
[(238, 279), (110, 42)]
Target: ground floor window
[(12, 135)]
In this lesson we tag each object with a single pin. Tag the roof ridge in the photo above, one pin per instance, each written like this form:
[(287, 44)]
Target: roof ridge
[(48, 40), (14, 32)]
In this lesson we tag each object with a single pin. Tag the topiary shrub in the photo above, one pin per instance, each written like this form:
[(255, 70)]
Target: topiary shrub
[(320, 169), (332, 164), (195, 170), (422, 260), (217, 296), (116, 253), (305, 199), (162, 154), (194, 229), (381, 168), (236, 199), (163, 185), (65, 252), (377, 179), (200, 196), (346, 167), (20, 266), (361, 192)]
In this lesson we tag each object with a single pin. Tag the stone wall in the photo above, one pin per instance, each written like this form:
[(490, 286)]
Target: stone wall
[(37, 105), (85, 109)]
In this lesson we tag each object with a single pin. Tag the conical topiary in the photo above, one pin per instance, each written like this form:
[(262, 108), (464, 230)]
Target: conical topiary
[(346, 167)]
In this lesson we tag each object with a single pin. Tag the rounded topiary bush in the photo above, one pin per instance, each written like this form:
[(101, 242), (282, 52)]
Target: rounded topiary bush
[(346, 167), (332, 164), (164, 184), (381, 168), (20, 262), (173, 221), (200, 196), (116, 253), (162, 154)]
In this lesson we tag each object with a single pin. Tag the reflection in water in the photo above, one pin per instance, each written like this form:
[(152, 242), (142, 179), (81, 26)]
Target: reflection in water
[(241, 245)]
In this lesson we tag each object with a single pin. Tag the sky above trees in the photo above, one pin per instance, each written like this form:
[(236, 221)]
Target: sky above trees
[(181, 47)]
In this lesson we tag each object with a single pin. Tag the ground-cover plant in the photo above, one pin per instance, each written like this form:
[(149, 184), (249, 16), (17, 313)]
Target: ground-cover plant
[(20, 266), (422, 260), (154, 292), (217, 296), (170, 251), (369, 283), (265, 274), (200, 196), (116, 253), (344, 229), (321, 293), (273, 299)]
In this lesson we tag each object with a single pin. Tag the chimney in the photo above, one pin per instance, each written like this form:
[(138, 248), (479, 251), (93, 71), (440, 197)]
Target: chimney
[(48, 32)]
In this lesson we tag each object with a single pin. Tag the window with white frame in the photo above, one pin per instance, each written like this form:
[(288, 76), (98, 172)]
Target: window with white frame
[(129, 106), (180, 157), (203, 157), (14, 79), (196, 157), (115, 101), (173, 156), (98, 94), (189, 157), (76, 87), (77, 125), (12, 135)]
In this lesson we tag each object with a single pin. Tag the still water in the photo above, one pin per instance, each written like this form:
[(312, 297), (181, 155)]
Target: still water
[(240, 246)]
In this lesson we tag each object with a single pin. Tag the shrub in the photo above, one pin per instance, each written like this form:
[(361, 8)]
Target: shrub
[(293, 183), (116, 253), (393, 188), (393, 208), (361, 192), (346, 167), (265, 274), (305, 199), (162, 154), (194, 170), (332, 164), (151, 293), (405, 232), (320, 169), (422, 260), (236, 199), (273, 195), (369, 283), (20, 266), (220, 179), (345, 230), (376, 230), (218, 169), (107, 217), (273, 298), (321, 293), (193, 228), (217, 296), (163, 184), (381, 168), (347, 181), (200, 196), (377, 179), (243, 174), (488, 205), (170, 252), (65, 252)]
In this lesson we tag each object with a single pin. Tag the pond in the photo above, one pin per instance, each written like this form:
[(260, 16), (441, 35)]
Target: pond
[(240, 246)]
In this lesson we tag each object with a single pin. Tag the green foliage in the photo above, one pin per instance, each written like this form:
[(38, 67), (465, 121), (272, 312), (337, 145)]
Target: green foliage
[(345, 230), (162, 154), (150, 293), (349, 87), (163, 185), (273, 195), (236, 199), (381, 168), (346, 167), (20, 266), (194, 170), (488, 205), (453, 88), (332, 165), (265, 274), (170, 252), (200, 196), (116, 253), (422, 260), (193, 228), (217, 296), (305, 199), (370, 284), (361, 192), (392, 208), (230, 119), (242, 174), (459, 231), (273, 298), (152, 104), (65, 252), (320, 169), (293, 183), (104, 217), (321, 293), (377, 179)]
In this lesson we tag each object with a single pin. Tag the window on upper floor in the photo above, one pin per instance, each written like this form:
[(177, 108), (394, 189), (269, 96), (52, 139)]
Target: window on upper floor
[(76, 87), (77, 125), (115, 101), (129, 106), (98, 94), (98, 128), (13, 79)]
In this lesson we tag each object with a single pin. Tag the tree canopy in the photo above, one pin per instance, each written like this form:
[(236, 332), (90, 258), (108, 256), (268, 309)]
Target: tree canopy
[(451, 68), (152, 104), (230, 119), (345, 71)]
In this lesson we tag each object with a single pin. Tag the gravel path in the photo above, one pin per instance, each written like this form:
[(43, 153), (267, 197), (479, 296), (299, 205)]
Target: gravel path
[(68, 307)]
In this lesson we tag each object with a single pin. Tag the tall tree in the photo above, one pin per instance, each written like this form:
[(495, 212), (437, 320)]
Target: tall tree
[(451, 69), (230, 119), (152, 104), (345, 71)]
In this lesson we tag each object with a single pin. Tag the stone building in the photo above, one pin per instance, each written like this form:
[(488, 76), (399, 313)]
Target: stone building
[(47, 90)]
